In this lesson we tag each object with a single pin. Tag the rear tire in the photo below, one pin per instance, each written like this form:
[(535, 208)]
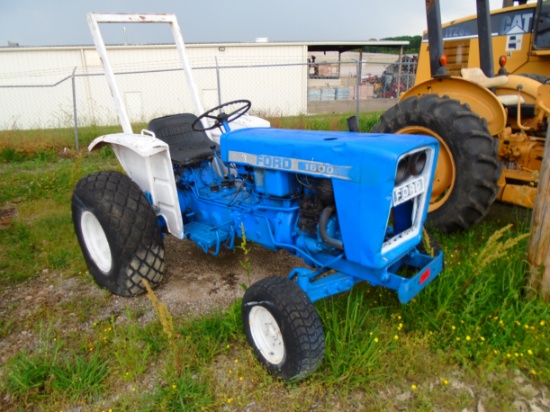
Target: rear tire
[(465, 194), (283, 328), (118, 233), (534, 76)]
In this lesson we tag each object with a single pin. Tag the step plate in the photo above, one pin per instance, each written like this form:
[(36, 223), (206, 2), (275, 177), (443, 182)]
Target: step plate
[(204, 235)]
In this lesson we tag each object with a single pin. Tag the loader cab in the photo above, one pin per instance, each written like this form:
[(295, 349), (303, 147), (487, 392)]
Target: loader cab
[(541, 30)]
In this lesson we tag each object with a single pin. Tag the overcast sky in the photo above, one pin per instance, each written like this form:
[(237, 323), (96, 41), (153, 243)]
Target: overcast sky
[(63, 22)]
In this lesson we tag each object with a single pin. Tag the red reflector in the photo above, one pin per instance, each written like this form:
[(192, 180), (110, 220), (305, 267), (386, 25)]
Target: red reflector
[(502, 61), (424, 276), (443, 60)]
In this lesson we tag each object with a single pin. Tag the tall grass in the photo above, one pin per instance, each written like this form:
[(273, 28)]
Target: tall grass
[(324, 122), (48, 144), (479, 310), (52, 375)]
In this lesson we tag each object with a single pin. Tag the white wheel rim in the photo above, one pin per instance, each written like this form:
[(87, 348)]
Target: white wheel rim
[(96, 241), (266, 334)]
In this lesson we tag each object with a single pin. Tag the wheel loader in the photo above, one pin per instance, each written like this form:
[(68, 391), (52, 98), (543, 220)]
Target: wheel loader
[(491, 123)]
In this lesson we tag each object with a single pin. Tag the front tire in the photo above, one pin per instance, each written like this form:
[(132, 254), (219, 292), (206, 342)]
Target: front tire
[(118, 233), (283, 328), (465, 182)]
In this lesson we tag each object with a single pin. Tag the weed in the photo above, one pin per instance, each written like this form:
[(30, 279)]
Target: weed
[(426, 242), (47, 375), (133, 347), (28, 376), (494, 249), (9, 155), (165, 318), (181, 393), (6, 327), (79, 377), (218, 331), (354, 341), (245, 263)]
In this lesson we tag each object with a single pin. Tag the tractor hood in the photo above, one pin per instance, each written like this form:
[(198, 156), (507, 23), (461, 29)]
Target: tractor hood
[(362, 167), (358, 157)]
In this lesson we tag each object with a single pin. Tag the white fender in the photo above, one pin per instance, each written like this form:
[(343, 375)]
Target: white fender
[(146, 161)]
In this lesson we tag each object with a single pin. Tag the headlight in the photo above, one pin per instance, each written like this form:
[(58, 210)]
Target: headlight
[(417, 163), (402, 170), (410, 165)]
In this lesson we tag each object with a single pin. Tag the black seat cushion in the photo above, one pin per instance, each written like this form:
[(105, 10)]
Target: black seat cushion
[(187, 146)]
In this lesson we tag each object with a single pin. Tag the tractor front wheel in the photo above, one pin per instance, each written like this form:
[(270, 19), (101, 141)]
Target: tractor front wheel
[(118, 233), (283, 328), (465, 182)]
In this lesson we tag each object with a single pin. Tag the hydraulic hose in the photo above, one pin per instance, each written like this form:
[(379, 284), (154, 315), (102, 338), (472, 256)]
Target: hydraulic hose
[(323, 221)]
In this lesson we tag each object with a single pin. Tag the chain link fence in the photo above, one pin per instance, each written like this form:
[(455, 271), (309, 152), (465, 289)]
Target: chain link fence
[(83, 98)]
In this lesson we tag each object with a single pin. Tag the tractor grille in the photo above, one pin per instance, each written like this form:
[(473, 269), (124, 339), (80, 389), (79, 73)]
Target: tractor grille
[(458, 52), (409, 198)]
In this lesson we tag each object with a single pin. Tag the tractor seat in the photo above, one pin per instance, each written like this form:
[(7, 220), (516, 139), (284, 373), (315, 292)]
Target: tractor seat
[(187, 146), (476, 75)]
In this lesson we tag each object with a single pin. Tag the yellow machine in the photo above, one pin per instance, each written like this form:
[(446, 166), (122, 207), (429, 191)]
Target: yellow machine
[(491, 124)]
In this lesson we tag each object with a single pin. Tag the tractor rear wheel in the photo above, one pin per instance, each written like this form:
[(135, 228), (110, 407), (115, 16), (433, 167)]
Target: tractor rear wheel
[(465, 183), (283, 328), (118, 233)]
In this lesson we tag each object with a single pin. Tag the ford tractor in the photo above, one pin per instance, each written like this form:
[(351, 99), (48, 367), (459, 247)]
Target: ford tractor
[(350, 205)]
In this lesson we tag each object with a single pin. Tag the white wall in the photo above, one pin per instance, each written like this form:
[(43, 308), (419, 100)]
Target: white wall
[(151, 92)]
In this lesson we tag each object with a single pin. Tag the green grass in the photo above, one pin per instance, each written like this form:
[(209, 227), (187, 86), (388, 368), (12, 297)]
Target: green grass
[(475, 326), (42, 235), (324, 122)]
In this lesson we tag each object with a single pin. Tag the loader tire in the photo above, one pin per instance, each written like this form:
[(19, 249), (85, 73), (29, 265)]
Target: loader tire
[(534, 76), (118, 233), (283, 328), (465, 182)]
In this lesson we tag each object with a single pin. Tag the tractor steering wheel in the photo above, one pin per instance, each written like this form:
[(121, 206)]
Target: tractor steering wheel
[(221, 117)]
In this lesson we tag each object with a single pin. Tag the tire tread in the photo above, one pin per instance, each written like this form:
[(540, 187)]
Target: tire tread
[(129, 216)]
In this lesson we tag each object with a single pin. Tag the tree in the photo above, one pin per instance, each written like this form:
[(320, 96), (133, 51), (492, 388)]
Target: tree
[(538, 249), (412, 48)]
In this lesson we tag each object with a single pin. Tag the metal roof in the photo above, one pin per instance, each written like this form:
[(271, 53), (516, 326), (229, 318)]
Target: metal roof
[(343, 47), (339, 46)]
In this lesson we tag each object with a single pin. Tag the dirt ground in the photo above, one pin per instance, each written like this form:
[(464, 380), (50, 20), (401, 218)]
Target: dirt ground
[(194, 283)]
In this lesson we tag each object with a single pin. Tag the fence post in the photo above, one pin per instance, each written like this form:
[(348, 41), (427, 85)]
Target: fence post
[(75, 112), (357, 86), (218, 80), (400, 70)]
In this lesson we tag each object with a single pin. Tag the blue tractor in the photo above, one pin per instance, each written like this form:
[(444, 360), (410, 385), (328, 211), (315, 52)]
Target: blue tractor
[(351, 205)]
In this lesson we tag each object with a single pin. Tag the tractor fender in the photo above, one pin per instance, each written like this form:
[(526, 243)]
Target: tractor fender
[(146, 160), (529, 88), (480, 99)]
